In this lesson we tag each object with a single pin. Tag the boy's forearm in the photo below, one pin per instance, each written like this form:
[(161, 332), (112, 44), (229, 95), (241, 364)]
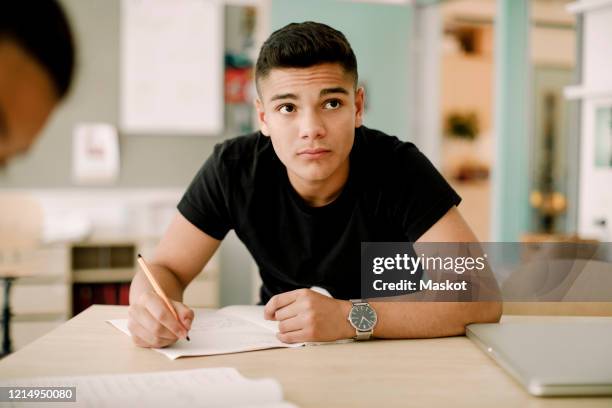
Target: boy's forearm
[(166, 279), (431, 319)]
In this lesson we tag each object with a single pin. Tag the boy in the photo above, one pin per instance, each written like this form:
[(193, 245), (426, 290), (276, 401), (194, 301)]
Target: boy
[(302, 194)]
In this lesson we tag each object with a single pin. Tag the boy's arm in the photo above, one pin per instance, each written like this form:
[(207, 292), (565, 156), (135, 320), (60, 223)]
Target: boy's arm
[(179, 257), (409, 319), (308, 316)]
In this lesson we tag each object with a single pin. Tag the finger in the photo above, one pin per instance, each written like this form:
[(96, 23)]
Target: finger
[(159, 310), (134, 328), (289, 325), (184, 313), (145, 344), (187, 323), (137, 314), (154, 326), (287, 312), (297, 336), (278, 302), (144, 338)]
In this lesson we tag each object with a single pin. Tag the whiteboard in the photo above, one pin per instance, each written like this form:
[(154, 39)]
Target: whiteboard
[(171, 67)]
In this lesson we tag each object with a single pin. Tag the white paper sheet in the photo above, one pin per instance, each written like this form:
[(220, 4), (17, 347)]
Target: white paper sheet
[(209, 387), (216, 332), (233, 329)]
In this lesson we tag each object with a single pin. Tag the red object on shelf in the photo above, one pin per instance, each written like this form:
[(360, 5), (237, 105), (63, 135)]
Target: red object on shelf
[(109, 294), (237, 82), (82, 298), (124, 294), (87, 294)]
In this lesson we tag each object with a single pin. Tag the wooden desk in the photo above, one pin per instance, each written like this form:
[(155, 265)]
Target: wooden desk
[(446, 372)]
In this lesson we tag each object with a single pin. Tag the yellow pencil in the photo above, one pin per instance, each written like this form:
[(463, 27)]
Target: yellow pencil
[(159, 290)]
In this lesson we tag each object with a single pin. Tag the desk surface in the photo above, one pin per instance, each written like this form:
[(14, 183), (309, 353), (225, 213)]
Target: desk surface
[(435, 372)]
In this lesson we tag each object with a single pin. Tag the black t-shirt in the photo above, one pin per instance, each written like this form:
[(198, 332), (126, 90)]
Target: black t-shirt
[(393, 193)]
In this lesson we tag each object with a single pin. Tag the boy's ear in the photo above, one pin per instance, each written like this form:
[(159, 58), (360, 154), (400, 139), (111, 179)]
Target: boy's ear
[(359, 106), (261, 117)]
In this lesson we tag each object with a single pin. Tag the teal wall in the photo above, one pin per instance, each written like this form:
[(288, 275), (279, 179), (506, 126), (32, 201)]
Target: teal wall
[(379, 35), (510, 192)]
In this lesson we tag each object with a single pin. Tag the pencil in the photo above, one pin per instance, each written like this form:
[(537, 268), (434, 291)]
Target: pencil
[(159, 290)]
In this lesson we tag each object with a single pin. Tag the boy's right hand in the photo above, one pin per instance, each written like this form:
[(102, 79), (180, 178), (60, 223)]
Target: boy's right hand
[(153, 325)]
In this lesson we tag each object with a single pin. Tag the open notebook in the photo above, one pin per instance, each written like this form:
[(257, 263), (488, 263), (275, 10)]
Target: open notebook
[(210, 387), (232, 329)]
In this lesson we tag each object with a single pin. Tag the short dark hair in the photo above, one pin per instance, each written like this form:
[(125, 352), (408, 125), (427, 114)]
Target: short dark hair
[(41, 28), (302, 45)]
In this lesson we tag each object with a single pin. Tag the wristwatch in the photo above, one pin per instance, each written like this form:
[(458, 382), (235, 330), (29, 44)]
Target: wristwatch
[(363, 318)]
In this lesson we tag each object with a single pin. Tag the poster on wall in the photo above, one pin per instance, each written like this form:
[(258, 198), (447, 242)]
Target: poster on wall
[(95, 154), (171, 67)]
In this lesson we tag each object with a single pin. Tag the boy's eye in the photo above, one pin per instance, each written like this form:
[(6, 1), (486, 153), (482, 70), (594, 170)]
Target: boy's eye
[(332, 104), (286, 108)]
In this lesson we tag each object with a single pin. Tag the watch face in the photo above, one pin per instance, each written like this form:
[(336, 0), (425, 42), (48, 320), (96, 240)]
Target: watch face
[(362, 317)]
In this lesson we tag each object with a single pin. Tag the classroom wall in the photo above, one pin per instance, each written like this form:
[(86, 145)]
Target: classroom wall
[(146, 161), (380, 36)]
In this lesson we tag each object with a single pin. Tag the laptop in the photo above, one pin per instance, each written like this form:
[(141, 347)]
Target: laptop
[(551, 358)]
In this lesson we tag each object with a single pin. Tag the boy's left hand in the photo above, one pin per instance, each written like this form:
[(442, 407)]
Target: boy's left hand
[(305, 315)]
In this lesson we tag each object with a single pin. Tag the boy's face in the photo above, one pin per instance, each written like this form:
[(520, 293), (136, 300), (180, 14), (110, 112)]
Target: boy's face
[(27, 97), (310, 114)]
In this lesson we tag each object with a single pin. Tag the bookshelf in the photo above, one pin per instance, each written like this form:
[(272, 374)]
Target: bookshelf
[(101, 272)]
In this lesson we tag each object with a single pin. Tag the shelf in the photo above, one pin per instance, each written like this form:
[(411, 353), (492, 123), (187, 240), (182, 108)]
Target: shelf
[(582, 6), (103, 275), (39, 317), (577, 92), (41, 280)]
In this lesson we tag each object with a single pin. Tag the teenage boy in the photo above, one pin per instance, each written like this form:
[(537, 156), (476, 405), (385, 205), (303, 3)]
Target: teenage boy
[(302, 194)]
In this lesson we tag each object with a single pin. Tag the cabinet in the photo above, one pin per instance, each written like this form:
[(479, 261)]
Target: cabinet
[(40, 301)]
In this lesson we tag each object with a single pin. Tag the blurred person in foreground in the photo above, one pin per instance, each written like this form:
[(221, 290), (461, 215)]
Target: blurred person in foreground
[(36, 68)]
